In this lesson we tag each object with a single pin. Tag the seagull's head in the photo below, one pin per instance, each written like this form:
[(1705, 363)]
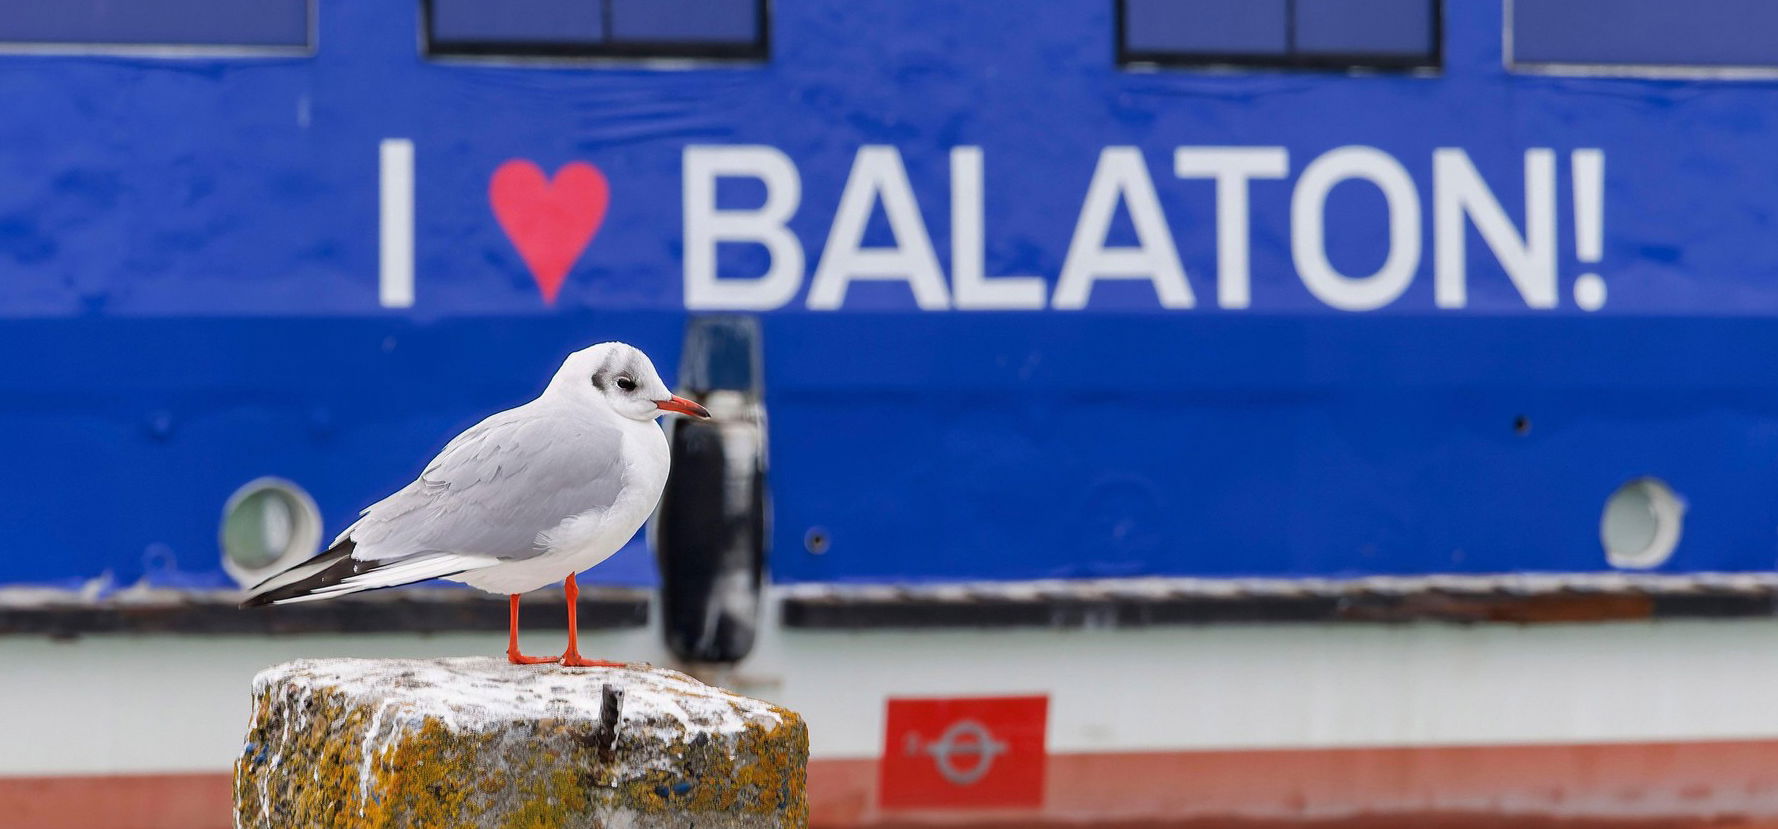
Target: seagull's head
[(621, 377)]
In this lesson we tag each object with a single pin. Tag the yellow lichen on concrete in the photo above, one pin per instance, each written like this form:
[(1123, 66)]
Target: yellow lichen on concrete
[(318, 755), (764, 773), (323, 733), (425, 778), (552, 802)]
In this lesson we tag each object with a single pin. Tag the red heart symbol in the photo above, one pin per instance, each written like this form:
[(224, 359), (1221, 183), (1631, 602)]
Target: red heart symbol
[(550, 222)]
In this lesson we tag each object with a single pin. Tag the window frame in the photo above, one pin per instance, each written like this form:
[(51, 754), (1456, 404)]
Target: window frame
[(1290, 60), (629, 50), (1578, 69)]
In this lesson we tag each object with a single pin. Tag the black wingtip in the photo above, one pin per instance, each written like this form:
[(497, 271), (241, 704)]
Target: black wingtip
[(337, 564)]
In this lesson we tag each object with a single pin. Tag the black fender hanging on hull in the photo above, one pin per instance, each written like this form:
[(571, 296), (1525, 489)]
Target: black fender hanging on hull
[(711, 528)]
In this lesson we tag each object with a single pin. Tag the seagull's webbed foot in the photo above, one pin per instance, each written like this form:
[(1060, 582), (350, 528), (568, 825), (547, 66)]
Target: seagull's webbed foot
[(512, 638), (573, 659), (517, 658)]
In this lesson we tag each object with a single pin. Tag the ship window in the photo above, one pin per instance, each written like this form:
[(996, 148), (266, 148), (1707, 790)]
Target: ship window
[(1653, 33), (280, 25), (529, 22), (598, 28), (1334, 34)]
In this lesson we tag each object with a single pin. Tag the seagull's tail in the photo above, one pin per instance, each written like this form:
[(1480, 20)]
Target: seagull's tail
[(336, 573)]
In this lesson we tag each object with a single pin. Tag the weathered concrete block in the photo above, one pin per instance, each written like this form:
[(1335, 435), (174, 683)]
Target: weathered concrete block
[(481, 743)]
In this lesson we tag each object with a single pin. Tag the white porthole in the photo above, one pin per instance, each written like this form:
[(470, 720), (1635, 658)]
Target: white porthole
[(1641, 524), (267, 525)]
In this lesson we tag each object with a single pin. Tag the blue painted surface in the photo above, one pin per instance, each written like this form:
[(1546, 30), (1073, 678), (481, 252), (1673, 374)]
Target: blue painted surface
[(188, 279)]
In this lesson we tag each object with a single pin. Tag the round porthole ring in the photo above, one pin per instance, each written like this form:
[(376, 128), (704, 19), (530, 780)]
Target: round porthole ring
[(1666, 510), (305, 529)]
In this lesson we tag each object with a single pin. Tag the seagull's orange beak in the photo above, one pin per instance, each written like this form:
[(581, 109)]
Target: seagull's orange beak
[(682, 406)]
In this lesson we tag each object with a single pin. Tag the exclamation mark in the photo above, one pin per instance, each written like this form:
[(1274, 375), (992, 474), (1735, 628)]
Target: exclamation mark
[(395, 280), (1588, 168)]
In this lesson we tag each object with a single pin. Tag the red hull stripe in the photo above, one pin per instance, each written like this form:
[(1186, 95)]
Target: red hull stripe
[(1625, 784), (134, 801), (1697, 784)]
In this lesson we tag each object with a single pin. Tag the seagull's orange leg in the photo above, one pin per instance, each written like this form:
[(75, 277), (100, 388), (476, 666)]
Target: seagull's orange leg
[(512, 637), (572, 657)]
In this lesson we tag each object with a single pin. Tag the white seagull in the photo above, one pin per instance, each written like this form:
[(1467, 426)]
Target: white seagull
[(525, 498)]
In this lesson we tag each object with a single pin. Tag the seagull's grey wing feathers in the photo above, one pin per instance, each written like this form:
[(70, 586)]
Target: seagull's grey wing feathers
[(495, 487)]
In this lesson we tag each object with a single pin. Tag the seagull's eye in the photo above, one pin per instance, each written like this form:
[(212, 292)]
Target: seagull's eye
[(626, 384)]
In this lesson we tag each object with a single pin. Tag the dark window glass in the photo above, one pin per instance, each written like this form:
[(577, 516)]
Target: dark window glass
[(1652, 32), (1308, 33), (684, 21), (518, 21), (1396, 28), (642, 28), (239, 23), (1207, 27)]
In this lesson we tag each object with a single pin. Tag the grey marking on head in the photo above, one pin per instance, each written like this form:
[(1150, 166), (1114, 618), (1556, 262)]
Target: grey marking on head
[(619, 360)]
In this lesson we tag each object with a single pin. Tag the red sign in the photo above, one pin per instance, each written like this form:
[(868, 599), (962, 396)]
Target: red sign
[(970, 752)]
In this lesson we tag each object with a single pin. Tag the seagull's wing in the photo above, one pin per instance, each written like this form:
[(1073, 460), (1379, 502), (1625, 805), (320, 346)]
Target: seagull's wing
[(483, 501), (496, 487)]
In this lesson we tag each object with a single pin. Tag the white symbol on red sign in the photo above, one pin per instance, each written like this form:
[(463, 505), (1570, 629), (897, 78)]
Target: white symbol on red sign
[(963, 754)]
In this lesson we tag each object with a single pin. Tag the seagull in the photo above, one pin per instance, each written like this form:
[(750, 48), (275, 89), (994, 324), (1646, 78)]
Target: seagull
[(529, 496)]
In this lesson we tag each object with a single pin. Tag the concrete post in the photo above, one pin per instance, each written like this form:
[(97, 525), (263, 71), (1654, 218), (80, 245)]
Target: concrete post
[(481, 743)]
